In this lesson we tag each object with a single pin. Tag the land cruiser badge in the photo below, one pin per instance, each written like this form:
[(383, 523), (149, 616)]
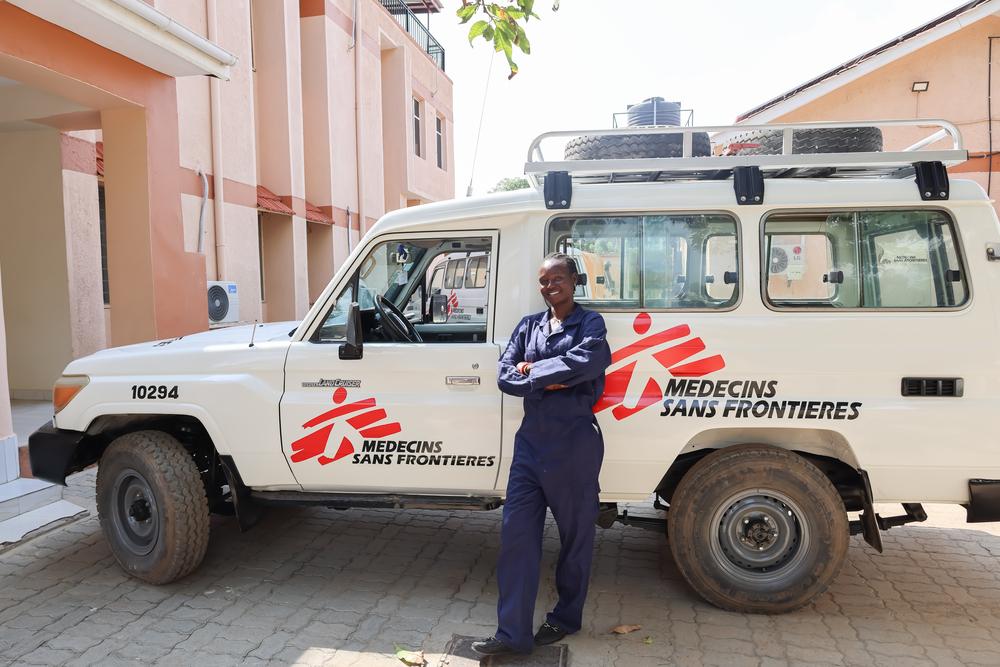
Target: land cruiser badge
[(333, 384)]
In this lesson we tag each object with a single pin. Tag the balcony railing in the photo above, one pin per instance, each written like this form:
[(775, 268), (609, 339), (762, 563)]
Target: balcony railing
[(416, 29)]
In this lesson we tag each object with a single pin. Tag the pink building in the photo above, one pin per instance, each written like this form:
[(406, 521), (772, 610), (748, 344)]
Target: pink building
[(948, 68), (150, 147)]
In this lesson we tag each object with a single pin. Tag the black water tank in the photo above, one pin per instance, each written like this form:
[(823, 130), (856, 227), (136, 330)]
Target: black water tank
[(654, 111)]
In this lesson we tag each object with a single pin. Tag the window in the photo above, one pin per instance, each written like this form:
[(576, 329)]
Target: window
[(439, 134), (475, 273), (667, 261), (863, 259), (454, 273), (103, 218), (417, 128), (397, 271), (437, 280)]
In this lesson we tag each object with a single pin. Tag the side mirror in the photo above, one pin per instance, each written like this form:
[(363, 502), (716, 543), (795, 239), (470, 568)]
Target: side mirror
[(439, 308), (354, 347)]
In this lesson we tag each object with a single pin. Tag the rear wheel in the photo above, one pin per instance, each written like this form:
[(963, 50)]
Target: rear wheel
[(757, 529), (152, 506)]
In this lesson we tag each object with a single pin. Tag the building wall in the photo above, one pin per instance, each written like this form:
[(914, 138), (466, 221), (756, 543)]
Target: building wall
[(33, 262), (306, 117)]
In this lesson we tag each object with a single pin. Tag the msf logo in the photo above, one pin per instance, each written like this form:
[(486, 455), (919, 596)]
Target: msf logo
[(663, 347), (333, 441)]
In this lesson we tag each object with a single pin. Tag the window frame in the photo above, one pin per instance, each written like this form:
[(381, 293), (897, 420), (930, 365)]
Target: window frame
[(308, 329), (960, 255), (418, 127), (632, 306), (833, 256), (439, 139)]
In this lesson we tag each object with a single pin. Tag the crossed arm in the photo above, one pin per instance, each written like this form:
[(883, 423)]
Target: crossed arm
[(583, 362)]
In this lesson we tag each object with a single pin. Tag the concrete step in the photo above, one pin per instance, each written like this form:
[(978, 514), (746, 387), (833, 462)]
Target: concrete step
[(38, 520), (24, 495)]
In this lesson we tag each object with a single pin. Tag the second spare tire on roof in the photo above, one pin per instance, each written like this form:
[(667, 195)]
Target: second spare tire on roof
[(814, 140), (634, 146)]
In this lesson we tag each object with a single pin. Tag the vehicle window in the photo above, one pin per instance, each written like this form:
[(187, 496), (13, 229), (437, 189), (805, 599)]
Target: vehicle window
[(449, 273), (397, 271), (437, 280), (475, 273), (720, 265), (665, 261), (334, 326), (864, 259), (607, 251)]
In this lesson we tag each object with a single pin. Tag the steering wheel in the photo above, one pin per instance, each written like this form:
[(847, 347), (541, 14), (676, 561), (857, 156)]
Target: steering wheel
[(394, 322)]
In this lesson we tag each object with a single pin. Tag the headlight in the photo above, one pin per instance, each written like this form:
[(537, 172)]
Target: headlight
[(66, 388)]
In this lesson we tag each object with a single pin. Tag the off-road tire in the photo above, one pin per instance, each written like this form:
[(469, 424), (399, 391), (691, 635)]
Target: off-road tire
[(627, 146), (177, 532), (817, 140), (709, 499)]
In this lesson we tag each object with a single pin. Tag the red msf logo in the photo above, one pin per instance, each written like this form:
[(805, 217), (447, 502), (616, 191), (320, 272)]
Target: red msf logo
[(668, 354), (331, 442), (452, 302)]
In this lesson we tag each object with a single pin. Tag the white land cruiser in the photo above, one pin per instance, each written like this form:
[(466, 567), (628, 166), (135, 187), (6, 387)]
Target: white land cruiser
[(797, 334)]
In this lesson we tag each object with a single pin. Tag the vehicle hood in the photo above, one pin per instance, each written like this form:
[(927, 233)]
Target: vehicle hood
[(198, 352)]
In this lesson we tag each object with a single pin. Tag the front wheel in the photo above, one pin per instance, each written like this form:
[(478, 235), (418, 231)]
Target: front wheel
[(757, 529), (152, 506)]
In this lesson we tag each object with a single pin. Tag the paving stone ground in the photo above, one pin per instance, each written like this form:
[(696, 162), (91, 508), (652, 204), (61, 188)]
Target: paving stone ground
[(315, 586)]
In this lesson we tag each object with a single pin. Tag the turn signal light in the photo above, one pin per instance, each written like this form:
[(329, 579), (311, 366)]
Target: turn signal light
[(66, 388)]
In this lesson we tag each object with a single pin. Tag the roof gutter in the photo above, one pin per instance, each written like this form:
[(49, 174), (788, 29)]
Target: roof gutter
[(172, 27), (138, 31)]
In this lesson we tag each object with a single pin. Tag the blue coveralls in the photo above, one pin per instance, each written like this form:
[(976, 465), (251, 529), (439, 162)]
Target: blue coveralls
[(557, 458)]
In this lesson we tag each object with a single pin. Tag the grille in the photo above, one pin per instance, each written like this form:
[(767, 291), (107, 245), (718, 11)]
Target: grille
[(932, 387)]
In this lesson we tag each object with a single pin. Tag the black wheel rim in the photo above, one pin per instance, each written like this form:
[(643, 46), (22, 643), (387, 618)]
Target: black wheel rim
[(759, 537), (135, 515)]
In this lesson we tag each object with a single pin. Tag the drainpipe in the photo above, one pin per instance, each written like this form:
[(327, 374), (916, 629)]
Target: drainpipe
[(359, 153), (218, 204)]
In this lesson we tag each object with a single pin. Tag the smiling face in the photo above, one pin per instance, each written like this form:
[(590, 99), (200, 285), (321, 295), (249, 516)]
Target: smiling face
[(556, 283)]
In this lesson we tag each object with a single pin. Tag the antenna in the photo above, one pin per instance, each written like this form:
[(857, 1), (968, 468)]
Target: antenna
[(253, 332)]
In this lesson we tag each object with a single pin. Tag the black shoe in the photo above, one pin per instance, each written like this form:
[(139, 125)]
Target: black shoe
[(548, 634), (491, 646)]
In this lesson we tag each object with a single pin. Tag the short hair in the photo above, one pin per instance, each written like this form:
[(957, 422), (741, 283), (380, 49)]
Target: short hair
[(562, 258)]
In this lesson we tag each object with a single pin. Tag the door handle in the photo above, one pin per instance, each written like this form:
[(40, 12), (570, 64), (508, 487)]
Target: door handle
[(462, 380)]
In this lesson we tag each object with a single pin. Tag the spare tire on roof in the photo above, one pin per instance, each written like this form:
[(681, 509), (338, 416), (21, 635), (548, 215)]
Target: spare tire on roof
[(631, 146), (815, 140)]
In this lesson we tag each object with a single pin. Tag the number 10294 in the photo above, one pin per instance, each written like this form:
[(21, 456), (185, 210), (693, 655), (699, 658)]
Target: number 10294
[(153, 392)]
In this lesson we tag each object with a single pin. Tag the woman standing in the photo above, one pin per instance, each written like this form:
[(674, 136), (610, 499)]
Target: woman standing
[(555, 360)]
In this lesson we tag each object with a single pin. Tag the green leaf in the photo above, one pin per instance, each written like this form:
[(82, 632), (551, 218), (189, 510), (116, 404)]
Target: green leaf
[(506, 30), (515, 14), (522, 41), (477, 29), (466, 12), (488, 33)]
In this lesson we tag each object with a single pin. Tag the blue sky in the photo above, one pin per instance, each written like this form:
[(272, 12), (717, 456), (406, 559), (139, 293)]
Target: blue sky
[(593, 57)]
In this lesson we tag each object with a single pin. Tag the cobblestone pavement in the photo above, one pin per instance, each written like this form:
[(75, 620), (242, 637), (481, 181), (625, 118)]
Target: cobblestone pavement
[(316, 586)]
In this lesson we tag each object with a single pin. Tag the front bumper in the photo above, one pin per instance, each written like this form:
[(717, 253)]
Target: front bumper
[(52, 452)]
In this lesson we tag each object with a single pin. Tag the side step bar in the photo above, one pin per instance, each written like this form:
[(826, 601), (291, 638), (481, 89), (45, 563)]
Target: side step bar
[(343, 501)]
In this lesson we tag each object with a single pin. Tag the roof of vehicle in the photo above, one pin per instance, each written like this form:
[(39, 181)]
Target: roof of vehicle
[(502, 209)]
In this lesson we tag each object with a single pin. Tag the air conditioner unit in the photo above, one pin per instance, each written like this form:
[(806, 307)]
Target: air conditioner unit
[(223, 303), (788, 256)]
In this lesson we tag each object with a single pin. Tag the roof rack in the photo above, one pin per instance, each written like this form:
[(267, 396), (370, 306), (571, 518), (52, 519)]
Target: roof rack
[(786, 164)]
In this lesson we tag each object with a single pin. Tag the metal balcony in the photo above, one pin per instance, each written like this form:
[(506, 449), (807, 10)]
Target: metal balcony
[(416, 29)]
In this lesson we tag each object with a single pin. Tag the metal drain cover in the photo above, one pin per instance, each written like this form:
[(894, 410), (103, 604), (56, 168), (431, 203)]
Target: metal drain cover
[(459, 653)]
